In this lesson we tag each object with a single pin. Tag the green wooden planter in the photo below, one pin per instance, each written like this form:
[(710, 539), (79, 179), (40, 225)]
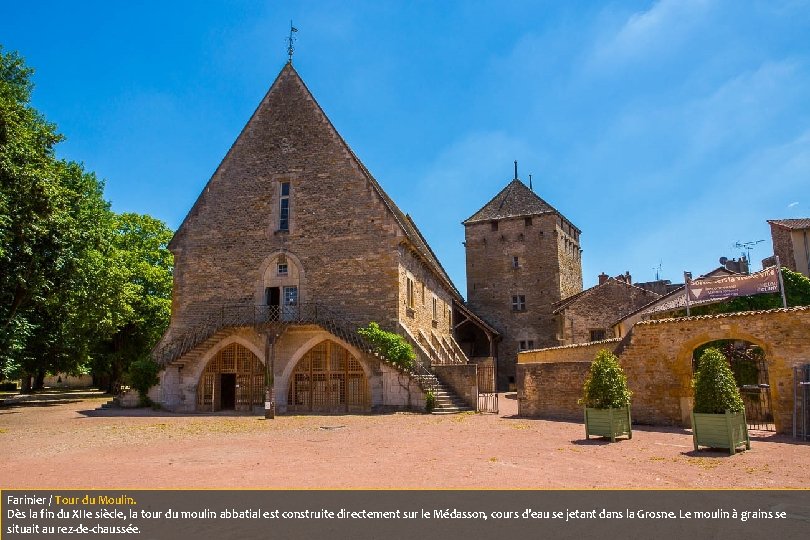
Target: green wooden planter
[(728, 430), (609, 423)]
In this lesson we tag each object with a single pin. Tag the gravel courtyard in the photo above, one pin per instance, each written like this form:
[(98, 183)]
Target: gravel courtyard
[(64, 440)]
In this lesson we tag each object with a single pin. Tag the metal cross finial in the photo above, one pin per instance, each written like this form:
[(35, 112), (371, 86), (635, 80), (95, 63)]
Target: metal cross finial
[(290, 42)]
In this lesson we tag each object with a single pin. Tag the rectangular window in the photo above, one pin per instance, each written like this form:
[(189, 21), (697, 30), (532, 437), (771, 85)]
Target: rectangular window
[(409, 293), (435, 309), (423, 295), (527, 222), (598, 335), (526, 345), (494, 225), (515, 262), (518, 302), (290, 296), (282, 269), (284, 209)]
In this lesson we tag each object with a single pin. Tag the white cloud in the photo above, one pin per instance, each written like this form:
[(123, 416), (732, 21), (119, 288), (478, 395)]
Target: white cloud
[(649, 33), (793, 204)]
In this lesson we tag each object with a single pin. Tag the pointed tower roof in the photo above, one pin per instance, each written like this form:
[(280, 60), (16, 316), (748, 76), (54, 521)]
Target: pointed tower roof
[(515, 200), (270, 119)]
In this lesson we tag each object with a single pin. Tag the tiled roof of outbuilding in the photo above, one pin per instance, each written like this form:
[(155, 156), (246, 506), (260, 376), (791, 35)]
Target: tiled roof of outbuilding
[(799, 223)]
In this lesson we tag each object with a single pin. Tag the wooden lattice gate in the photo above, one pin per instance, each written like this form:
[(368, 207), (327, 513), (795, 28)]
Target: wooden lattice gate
[(487, 389), (328, 379), (233, 379)]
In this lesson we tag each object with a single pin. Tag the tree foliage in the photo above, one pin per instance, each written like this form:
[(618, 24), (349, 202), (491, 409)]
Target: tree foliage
[(797, 293), (76, 281), (715, 388), (143, 375), (606, 385), (392, 346)]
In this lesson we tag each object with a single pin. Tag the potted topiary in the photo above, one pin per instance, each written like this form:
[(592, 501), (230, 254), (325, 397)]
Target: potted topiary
[(718, 416), (606, 399)]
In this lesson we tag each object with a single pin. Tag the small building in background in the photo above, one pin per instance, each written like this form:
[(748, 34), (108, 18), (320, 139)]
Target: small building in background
[(791, 243)]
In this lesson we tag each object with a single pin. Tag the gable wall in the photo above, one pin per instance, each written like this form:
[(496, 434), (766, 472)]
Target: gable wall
[(344, 237), (598, 310)]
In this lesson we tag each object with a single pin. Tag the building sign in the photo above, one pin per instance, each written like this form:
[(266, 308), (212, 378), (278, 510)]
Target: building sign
[(765, 281)]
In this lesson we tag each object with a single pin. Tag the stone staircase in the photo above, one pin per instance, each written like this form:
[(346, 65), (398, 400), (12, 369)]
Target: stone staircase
[(447, 402)]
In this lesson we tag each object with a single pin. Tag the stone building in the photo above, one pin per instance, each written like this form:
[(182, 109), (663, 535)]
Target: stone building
[(590, 315), (522, 257), (791, 243), (291, 246)]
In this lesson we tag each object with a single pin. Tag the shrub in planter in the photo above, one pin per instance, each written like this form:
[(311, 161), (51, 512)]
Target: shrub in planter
[(606, 399), (718, 416)]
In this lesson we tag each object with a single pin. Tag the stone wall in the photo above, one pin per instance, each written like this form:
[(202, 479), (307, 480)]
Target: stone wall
[(550, 380), (599, 308), (462, 379), (783, 246), (551, 389), (426, 287), (658, 363), (342, 231), (549, 268)]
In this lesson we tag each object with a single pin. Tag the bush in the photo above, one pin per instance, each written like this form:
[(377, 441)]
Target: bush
[(143, 375), (606, 385), (430, 401), (715, 388), (392, 346)]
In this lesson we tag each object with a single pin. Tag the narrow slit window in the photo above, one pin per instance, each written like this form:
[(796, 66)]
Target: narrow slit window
[(284, 207)]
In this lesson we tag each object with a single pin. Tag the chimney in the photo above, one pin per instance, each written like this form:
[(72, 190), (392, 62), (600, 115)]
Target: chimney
[(603, 277)]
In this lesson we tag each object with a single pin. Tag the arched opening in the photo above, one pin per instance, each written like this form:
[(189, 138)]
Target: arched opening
[(232, 380), (280, 287), (750, 367), (328, 379)]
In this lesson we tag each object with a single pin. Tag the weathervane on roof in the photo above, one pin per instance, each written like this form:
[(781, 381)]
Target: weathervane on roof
[(291, 42)]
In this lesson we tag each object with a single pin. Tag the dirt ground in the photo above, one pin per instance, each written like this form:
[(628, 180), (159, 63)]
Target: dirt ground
[(65, 440)]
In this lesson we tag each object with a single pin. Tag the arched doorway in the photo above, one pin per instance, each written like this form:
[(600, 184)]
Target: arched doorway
[(232, 380), (750, 367), (328, 379)]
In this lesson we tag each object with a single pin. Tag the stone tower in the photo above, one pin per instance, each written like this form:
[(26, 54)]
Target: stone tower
[(522, 257)]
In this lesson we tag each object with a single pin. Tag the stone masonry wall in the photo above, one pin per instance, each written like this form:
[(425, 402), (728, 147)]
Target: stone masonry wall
[(599, 309), (425, 287), (551, 390), (492, 280), (462, 379), (340, 229), (783, 246), (658, 362), (550, 380)]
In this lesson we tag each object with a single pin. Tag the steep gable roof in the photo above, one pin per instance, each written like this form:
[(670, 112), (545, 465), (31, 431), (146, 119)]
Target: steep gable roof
[(515, 200), (289, 86)]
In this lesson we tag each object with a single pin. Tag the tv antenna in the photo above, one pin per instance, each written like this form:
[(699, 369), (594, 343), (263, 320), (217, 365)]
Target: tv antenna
[(658, 270), (747, 247)]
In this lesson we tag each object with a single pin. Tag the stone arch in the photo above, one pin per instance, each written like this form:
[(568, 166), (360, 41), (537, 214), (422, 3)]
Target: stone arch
[(684, 355), (232, 378), (270, 277), (326, 375)]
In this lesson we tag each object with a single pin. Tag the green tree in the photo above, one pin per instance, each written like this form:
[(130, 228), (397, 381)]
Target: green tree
[(53, 224), (138, 288), (797, 293)]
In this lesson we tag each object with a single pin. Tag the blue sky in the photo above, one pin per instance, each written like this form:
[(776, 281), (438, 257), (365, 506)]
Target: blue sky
[(666, 131)]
